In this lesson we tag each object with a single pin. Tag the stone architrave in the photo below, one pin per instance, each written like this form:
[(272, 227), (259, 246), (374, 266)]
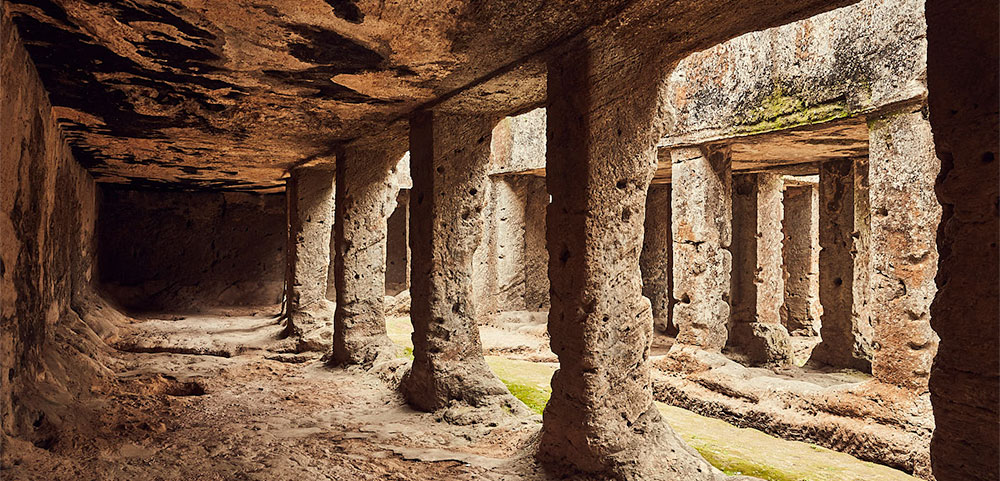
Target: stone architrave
[(905, 215), (757, 285), (701, 212), (366, 197), (310, 196)]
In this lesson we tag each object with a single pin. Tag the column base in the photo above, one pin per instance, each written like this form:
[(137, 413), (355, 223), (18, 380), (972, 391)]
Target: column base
[(826, 355), (656, 454), (465, 392), (363, 350), (763, 344), (311, 327)]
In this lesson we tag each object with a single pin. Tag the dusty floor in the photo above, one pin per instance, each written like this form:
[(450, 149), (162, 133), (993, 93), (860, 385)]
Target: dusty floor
[(199, 398)]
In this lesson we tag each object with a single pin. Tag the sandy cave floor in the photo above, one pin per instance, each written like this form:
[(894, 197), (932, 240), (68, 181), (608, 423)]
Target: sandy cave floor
[(198, 397)]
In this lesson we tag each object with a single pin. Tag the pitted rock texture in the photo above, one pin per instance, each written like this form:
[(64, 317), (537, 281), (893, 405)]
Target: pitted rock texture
[(198, 95), (656, 260), (844, 265), (801, 310), (191, 251), (367, 188), (449, 161), (397, 244), (194, 95), (600, 421), (904, 217), (309, 314), (701, 210), (963, 47)]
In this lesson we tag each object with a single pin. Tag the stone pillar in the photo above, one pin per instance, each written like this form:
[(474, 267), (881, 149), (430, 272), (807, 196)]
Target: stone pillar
[(510, 254), (366, 196), (800, 257), (701, 201), (905, 216), (397, 249), (846, 330), (757, 287), (601, 130), (962, 58), (536, 257), (310, 194), (655, 260), (449, 156)]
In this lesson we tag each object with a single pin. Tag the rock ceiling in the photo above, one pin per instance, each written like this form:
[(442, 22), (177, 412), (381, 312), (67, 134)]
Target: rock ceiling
[(223, 94), (205, 94)]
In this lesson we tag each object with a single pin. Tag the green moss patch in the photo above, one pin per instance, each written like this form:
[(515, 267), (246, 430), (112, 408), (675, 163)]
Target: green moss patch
[(779, 111)]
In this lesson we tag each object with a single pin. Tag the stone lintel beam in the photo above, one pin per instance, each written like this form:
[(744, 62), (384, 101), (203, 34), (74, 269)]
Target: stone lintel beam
[(449, 162), (800, 259), (701, 212), (310, 196), (844, 233), (367, 187), (655, 260), (602, 128), (757, 285), (905, 215)]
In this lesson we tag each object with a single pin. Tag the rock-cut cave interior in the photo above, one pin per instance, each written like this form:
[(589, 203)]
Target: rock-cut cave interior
[(499, 240)]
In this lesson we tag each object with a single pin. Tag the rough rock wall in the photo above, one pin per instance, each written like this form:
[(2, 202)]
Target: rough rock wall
[(49, 335), (837, 64), (965, 380), (190, 251)]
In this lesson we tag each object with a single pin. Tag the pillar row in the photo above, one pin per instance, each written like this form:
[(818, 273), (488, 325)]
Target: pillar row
[(655, 262), (701, 214), (310, 196), (844, 233), (366, 196), (449, 160), (905, 215), (601, 124), (757, 285)]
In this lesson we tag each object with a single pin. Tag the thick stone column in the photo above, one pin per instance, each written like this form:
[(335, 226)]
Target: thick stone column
[(602, 128), (310, 194), (800, 257), (366, 196), (757, 286), (397, 246), (509, 263), (536, 257), (655, 261), (905, 216), (449, 156), (844, 265), (962, 76), (701, 200)]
